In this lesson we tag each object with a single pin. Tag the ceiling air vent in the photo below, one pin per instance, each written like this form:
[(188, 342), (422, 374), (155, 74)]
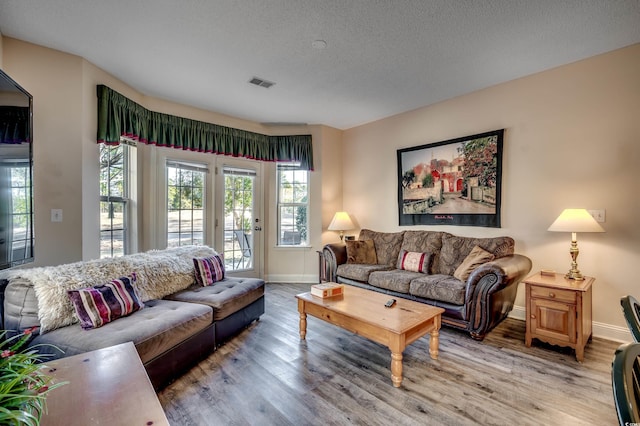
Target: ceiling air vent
[(261, 82)]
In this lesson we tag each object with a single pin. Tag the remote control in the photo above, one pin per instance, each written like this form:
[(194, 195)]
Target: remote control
[(390, 303)]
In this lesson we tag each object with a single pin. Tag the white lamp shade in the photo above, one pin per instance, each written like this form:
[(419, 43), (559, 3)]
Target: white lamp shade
[(341, 222), (575, 220)]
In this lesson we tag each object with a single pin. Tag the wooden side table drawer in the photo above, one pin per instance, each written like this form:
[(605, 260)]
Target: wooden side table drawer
[(553, 294)]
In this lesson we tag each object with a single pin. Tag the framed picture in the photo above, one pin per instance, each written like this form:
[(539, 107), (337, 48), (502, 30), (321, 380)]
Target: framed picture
[(453, 182)]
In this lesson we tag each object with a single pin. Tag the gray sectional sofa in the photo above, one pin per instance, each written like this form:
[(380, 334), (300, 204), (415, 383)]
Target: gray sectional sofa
[(475, 304), (181, 323)]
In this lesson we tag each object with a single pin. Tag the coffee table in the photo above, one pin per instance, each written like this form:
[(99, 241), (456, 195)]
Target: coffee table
[(363, 312)]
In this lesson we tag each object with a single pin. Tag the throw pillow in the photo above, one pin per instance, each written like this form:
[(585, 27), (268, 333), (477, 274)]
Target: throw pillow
[(209, 270), (414, 261), (363, 252), (477, 257), (96, 306)]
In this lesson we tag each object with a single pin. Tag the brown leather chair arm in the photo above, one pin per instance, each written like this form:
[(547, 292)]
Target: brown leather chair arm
[(491, 291), (334, 255)]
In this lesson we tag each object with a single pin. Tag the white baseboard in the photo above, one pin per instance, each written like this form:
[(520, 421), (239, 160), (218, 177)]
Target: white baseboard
[(291, 278), (600, 329)]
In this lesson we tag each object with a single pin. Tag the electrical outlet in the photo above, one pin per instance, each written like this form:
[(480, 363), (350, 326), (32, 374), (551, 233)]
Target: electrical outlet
[(598, 215)]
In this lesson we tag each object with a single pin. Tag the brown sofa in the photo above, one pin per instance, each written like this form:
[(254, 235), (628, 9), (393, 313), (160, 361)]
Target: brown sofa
[(476, 304)]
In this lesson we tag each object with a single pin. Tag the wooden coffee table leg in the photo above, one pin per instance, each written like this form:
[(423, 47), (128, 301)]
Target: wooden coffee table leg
[(396, 369), (303, 325), (303, 320), (434, 342)]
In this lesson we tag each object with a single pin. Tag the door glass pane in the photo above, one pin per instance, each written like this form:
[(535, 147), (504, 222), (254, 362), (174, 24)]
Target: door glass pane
[(238, 219)]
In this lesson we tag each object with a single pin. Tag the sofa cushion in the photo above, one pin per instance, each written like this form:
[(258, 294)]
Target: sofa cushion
[(160, 326), (444, 288), (361, 252), (357, 272), (99, 305), (456, 249), (208, 270), (414, 261), (477, 257), (225, 297), (387, 245), (424, 241), (395, 280)]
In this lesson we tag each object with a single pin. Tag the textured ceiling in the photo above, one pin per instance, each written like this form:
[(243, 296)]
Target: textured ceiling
[(382, 57)]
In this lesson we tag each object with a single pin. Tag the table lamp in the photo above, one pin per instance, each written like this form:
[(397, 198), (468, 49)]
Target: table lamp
[(341, 222), (574, 221)]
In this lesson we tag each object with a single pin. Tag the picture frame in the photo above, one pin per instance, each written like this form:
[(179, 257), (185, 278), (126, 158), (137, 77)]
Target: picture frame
[(452, 182)]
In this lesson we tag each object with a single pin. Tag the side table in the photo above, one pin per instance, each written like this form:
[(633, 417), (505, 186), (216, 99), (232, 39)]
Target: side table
[(558, 311)]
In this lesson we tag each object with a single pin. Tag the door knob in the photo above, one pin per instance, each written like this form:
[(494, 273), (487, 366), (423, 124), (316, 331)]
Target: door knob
[(257, 228)]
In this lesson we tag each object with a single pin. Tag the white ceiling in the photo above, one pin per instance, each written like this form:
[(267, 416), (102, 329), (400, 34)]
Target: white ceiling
[(383, 57)]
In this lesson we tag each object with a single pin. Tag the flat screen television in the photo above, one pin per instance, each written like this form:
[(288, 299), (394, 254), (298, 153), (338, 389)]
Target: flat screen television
[(16, 171)]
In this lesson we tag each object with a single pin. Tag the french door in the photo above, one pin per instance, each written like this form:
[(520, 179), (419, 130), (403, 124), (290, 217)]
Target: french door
[(239, 213)]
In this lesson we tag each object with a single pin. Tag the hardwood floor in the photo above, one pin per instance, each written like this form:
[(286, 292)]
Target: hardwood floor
[(268, 376)]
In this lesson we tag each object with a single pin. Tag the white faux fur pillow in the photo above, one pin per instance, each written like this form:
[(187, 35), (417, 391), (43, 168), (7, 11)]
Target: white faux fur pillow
[(159, 272)]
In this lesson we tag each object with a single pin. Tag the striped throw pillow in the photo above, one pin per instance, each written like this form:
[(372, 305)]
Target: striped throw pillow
[(209, 270), (414, 261), (96, 306)]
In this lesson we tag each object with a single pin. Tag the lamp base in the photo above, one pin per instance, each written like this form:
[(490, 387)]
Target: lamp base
[(574, 275)]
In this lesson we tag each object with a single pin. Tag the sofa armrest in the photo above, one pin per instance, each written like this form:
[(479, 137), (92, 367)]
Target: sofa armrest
[(491, 291), (334, 255)]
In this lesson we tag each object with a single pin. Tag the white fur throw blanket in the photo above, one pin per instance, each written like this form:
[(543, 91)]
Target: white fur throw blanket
[(159, 273)]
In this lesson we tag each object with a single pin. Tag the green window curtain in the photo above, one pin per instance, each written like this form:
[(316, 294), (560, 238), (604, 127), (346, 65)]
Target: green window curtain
[(119, 116)]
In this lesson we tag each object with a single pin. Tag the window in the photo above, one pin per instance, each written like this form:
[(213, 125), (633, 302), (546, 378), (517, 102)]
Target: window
[(185, 203), (293, 205), (115, 201)]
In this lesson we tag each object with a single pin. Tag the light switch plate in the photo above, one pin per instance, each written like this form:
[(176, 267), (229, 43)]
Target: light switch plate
[(56, 215), (598, 215)]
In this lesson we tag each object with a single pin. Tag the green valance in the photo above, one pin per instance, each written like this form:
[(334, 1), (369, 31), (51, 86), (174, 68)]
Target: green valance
[(119, 116)]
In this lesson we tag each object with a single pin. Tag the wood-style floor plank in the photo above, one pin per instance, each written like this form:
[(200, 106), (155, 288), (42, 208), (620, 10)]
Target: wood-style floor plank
[(268, 376)]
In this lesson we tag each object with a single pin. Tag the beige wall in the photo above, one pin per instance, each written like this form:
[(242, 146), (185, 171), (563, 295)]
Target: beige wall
[(572, 140), (53, 79)]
